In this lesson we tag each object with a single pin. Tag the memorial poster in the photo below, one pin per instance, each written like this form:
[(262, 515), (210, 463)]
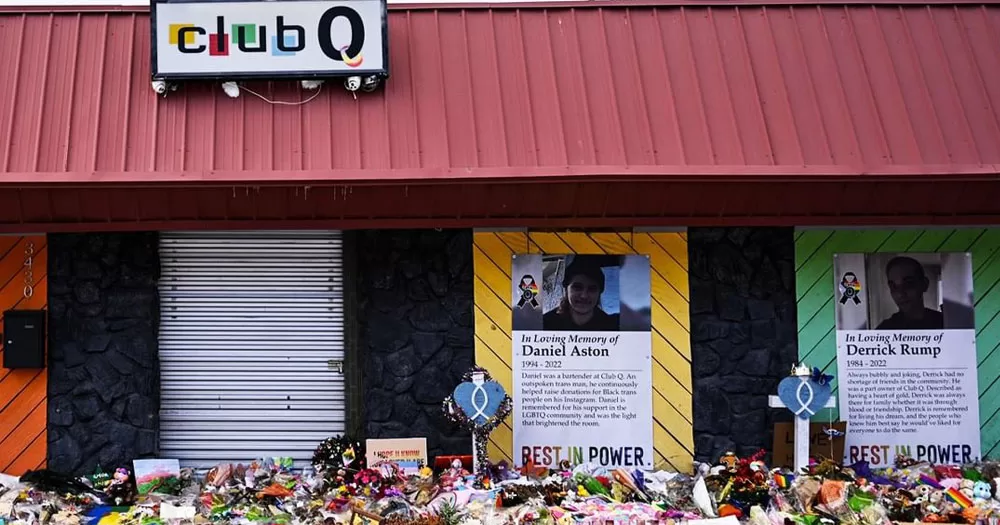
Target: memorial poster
[(582, 355), (906, 355)]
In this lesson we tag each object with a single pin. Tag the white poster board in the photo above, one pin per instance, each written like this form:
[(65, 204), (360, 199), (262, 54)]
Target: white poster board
[(582, 355), (906, 356), (409, 454)]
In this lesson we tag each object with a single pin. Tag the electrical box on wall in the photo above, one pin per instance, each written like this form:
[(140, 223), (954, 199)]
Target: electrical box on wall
[(24, 339)]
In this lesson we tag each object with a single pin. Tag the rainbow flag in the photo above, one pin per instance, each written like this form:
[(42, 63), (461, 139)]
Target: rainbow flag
[(957, 496), (782, 481), (929, 481)]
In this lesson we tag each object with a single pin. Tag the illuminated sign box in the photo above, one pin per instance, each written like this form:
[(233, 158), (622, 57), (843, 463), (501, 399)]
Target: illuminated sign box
[(298, 39)]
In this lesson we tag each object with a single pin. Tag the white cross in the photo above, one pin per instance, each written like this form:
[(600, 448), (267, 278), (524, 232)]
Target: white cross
[(801, 431)]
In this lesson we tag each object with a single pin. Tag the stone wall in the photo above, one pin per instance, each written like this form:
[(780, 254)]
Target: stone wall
[(417, 338), (743, 334), (103, 366)]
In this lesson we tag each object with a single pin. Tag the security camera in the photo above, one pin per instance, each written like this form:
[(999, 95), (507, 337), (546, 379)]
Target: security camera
[(231, 89), (159, 86), (370, 84), (311, 84), (352, 84)]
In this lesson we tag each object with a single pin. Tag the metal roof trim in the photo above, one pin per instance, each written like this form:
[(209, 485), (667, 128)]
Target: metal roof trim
[(536, 205), (511, 175), (545, 4)]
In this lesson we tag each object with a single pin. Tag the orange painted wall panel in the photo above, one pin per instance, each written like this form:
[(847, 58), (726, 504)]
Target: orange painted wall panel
[(23, 408)]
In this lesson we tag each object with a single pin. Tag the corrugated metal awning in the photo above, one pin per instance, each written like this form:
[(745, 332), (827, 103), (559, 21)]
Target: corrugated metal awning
[(661, 91), (563, 96)]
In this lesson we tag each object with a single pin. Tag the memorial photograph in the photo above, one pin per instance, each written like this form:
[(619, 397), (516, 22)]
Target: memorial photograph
[(581, 293), (904, 291)]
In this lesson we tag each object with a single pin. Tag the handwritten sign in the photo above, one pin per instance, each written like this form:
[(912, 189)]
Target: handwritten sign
[(408, 453), (819, 442)]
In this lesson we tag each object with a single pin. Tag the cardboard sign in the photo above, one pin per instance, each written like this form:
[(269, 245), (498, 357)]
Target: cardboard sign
[(819, 443), (153, 475), (363, 517), (409, 453)]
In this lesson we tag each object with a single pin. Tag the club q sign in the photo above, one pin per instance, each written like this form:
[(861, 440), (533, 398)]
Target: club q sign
[(298, 39)]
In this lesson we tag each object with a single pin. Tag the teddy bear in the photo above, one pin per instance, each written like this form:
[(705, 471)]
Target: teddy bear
[(967, 488), (935, 501), (981, 492), (922, 493)]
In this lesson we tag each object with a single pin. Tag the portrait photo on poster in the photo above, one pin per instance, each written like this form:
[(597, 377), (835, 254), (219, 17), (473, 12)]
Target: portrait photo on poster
[(904, 291), (581, 293)]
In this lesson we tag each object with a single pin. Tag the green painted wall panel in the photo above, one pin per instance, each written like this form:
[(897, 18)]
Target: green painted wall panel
[(817, 335), (813, 269), (806, 245), (814, 281), (990, 333), (930, 241), (961, 240), (901, 240)]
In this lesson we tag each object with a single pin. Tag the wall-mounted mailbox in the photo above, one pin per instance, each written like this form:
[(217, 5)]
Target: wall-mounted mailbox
[(24, 339)]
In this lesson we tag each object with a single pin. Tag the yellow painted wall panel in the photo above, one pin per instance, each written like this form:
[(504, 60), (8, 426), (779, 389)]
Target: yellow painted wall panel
[(675, 245), (492, 307), (671, 414), (674, 386), (661, 462), (668, 296), (504, 435), (581, 243), (489, 344), (497, 279), (498, 451), (613, 242), (664, 263), (673, 438), (550, 243), (518, 242), (497, 250), (665, 355), (667, 325), (675, 304), (676, 457)]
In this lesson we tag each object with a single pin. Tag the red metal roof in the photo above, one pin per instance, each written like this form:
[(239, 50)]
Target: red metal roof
[(612, 115), (517, 92)]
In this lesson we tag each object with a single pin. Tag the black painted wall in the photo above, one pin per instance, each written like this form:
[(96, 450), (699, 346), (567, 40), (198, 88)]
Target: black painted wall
[(416, 331), (103, 366), (743, 334)]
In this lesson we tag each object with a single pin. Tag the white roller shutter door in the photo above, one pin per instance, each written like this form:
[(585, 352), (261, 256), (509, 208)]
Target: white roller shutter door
[(251, 339)]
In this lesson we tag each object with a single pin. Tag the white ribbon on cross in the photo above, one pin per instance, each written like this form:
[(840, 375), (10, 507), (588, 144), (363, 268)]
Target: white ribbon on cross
[(804, 404), (478, 380)]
